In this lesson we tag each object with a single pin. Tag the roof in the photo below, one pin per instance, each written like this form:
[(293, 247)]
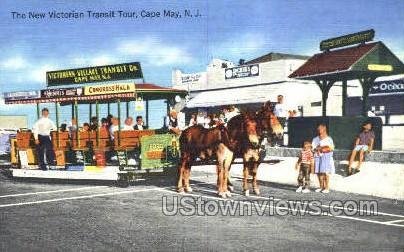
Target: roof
[(275, 56), (147, 91), (351, 59), (251, 95)]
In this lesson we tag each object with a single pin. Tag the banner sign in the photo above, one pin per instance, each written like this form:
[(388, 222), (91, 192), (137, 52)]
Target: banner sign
[(192, 78), (242, 71), (110, 89), (159, 151), (350, 39), (378, 67), (61, 92), (123, 71), (21, 95), (387, 87)]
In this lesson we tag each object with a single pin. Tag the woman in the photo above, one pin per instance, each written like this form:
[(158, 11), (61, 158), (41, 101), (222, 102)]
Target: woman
[(323, 146)]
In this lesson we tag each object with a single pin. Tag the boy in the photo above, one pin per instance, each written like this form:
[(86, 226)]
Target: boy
[(305, 165), (363, 143)]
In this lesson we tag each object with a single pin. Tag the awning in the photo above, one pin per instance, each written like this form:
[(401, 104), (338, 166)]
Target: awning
[(292, 90), (146, 91)]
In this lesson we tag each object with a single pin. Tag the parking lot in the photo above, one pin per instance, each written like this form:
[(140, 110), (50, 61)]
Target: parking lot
[(71, 217)]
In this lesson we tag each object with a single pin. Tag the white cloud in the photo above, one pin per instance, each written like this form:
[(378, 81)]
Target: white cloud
[(38, 74), (155, 51), (14, 63), (101, 60)]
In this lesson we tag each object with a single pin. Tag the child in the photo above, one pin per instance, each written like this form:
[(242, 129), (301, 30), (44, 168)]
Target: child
[(363, 143), (305, 165)]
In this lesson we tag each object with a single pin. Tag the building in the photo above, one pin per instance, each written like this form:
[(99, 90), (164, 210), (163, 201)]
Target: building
[(249, 84)]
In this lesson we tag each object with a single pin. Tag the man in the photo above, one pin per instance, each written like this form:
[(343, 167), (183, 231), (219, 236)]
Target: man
[(114, 127), (363, 144), (128, 124), (282, 114), (139, 123), (42, 129)]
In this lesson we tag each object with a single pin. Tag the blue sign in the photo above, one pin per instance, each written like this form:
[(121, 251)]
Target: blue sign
[(388, 87)]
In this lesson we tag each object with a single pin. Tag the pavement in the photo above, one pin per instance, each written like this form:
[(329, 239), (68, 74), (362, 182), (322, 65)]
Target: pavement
[(77, 217)]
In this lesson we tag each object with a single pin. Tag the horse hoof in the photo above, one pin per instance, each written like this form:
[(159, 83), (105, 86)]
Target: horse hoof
[(228, 194), (180, 190), (188, 189), (222, 195), (247, 193), (230, 188), (257, 191)]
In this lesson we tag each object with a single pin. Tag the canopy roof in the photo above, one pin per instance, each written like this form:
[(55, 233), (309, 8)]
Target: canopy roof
[(364, 60), (146, 91)]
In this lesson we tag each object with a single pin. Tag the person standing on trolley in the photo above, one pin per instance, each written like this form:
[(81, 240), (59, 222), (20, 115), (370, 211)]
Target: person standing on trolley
[(42, 134)]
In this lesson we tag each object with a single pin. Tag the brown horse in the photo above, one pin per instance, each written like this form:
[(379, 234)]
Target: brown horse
[(196, 141), (245, 141)]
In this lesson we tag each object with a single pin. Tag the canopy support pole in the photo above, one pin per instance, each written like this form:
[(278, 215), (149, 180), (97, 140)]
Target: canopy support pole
[(108, 108), (72, 110), (325, 87), (344, 96), (366, 83), (147, 113), (57, 124), (127, 109), (97, 114), (90, 110), (38, 111), (76, 115), (119, 121)]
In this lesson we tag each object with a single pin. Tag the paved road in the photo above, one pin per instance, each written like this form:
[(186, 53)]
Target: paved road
[(64, 217)]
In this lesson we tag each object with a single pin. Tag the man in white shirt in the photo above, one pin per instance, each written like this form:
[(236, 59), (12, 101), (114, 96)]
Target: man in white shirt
[(42, 134), (282, 114)]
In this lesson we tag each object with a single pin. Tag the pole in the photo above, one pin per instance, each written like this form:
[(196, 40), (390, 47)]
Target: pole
[(108, 108), (76, 112), (147, 113), (90, 109), (119, 121), (57, 124), (97, 113), (72, 110), (38, 111), (127, 109), (344, 96)]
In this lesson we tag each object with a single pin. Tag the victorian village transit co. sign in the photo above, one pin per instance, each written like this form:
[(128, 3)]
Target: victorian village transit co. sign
[(350, 39), (123, 71)]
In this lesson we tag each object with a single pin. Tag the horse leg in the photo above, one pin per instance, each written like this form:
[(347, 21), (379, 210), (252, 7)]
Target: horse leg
[(221, 170), (181, 172), (245, 179), (230, 186), (254, 171), (226, 166), (187, 174)]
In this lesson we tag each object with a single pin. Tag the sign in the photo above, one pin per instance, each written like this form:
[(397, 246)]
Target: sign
[(23, 155), (61, 92), (242, 71), (350, 39), (192, 78), (123, 71), (378, 67), (159, 151), (387, 87), (109, 89), (21, 95)]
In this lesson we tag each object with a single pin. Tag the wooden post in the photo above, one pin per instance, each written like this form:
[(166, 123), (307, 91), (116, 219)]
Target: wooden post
[(57, 124), (72, 110), (325, 87), (344, 96), (108, 108), (366, 84)]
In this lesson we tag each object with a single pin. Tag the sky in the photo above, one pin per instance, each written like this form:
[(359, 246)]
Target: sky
[(226, 29)]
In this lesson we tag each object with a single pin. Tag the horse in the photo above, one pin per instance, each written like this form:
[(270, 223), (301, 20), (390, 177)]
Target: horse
[(246, 133), (196, 141)]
